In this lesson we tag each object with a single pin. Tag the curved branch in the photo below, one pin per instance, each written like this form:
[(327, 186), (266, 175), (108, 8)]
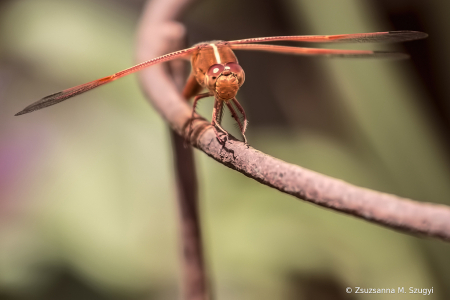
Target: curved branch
[(159, 30)]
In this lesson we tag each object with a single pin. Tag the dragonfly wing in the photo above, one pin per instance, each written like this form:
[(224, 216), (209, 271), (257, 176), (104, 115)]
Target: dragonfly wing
[(69, 93), (320, 52), (373, 37)]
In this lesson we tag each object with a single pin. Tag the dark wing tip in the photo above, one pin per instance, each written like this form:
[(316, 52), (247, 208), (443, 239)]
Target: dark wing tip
[(22, 112), (28, 109), (390, 55), (44, 102), (408, 35), (374, 54)]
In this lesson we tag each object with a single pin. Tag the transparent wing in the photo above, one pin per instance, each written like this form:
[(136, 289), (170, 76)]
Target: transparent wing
[(320, 52), (69, 93), (373, 37)]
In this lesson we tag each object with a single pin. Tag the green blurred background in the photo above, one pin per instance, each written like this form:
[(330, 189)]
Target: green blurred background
[(87, 206)]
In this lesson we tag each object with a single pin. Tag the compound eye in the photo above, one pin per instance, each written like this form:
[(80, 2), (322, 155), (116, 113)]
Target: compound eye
[(215, 70), (234, 67)]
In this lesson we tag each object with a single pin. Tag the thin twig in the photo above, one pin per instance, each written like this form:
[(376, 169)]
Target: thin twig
[(388, 210), (195, 279), (194, 275)]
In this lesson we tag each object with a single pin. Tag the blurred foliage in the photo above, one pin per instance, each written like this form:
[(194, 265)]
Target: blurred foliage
[(86, 188)]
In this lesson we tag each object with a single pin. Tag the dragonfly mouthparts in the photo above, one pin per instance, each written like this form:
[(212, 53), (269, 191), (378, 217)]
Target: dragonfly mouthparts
[(227, 85)]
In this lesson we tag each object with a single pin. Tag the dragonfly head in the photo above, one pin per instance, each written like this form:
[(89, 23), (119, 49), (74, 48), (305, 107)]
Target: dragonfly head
[(225, 80)]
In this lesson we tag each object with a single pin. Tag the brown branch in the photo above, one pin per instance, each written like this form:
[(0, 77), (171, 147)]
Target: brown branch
[(388, 210), (194, 275), (195, 279)]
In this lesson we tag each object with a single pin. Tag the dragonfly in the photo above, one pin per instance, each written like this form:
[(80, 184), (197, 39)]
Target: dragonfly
[(216, 69)]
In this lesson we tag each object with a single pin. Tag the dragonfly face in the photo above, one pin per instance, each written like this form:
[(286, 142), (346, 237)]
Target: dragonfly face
[(225, 80)]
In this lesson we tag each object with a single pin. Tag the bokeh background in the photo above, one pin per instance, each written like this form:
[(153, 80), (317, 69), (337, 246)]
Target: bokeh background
[(87, 206)]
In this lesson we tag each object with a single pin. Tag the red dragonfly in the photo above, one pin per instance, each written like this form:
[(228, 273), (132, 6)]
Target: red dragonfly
[(216, 68)]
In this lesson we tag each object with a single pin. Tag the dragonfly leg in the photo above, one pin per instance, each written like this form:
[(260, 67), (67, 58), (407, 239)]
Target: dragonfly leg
[(241, 109), (217, 119), (235, 116), (191, 87), (194, 105)]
